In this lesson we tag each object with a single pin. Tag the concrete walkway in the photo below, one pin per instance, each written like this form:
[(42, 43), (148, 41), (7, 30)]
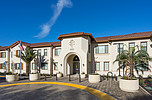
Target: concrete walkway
[(110, 87)]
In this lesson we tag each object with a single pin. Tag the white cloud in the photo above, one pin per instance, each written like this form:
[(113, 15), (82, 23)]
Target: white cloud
[(46, 28)]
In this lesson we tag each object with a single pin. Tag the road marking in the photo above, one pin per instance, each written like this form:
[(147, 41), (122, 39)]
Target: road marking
[(2, 76), (97, 93)]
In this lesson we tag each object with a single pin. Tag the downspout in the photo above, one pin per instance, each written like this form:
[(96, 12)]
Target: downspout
[(8, 59), (51, 59)]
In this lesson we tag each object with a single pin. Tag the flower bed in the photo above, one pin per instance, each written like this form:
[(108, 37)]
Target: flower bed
[(146, 83)]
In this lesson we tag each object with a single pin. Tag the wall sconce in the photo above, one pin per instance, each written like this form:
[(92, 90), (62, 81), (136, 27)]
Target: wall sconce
[(61, 64), (83, 65)]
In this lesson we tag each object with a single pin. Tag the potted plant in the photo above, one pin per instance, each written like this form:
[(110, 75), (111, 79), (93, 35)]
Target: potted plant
[(94, 78), (132, 58), (83, 75), (10, 77), (59, 74), (34, 76)]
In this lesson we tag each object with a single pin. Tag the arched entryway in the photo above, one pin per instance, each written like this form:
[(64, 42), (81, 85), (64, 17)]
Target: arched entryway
[(72, 64)]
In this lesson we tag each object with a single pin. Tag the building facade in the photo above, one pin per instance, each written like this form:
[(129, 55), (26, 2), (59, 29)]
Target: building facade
[(77, 52)]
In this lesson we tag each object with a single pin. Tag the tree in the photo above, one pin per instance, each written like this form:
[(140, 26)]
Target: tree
[(133, 57), (27, 57)]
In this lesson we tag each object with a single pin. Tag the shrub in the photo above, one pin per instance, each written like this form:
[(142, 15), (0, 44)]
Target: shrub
[(83, 73), (94, 74), (10, 73)]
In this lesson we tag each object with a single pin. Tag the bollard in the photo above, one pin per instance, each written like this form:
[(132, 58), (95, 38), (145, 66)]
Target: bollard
[(69, 78), (56, 77), (79, 78)]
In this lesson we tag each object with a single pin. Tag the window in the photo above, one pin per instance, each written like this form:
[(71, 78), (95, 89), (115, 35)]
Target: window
[(3, 54), (44, 66), (45, 52), (39, 52), (121, 47), (106, 66), (56, 66), (17, 65), (33, 66), (97, 66), (2, 66), (34, 51), (131, 46), (18, 52), (144, 46), (102, 49), (57, 52)]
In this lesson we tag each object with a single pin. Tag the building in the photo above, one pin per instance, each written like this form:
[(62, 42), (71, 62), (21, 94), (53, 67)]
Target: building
[(76, 53)]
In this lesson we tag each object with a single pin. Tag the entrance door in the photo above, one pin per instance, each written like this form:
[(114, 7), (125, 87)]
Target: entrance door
[(76, 67)]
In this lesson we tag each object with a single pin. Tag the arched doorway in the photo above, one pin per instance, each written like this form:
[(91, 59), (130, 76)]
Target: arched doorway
[(72, 64)]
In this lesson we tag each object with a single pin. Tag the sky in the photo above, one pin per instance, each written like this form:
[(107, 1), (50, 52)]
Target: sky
[(35, 21)]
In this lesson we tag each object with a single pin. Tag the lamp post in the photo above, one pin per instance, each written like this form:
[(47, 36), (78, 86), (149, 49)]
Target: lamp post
[(118, 44)]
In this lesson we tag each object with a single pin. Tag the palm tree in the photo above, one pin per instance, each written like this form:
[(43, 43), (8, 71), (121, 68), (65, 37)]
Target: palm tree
[(133, 57), (27, 57)]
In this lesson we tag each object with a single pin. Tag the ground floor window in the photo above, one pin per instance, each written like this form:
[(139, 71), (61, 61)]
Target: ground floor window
[(17, 66), (97, 66), (106, 66), (56, 66), (2, 66), (44, 66)]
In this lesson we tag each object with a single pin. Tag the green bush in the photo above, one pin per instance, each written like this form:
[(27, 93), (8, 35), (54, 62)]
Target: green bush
[(10, 73), (94, 74)]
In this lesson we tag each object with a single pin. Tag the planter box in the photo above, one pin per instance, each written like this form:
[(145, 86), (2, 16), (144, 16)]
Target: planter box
[(94, 78), (118, 78), (59, 75), (10, 78), (33, 77), (83, 75), (129, 85)]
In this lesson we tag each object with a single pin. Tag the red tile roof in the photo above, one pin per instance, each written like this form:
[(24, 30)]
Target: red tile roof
[(139, 35), (75, 34), (4, 48), (124, 37)]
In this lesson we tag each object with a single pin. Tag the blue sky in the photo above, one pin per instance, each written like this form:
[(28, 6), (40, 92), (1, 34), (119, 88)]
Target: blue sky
[(23, 19)]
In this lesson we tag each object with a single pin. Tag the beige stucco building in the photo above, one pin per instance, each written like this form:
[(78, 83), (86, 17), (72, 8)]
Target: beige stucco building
[(77, 52)]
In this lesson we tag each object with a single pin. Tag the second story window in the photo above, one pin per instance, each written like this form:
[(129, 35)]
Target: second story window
[(45, 52), (144, 46), (121, 47), (3, 54), (57, 52), (131, 46), (39, 52), (102, 49), (18, 52)]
